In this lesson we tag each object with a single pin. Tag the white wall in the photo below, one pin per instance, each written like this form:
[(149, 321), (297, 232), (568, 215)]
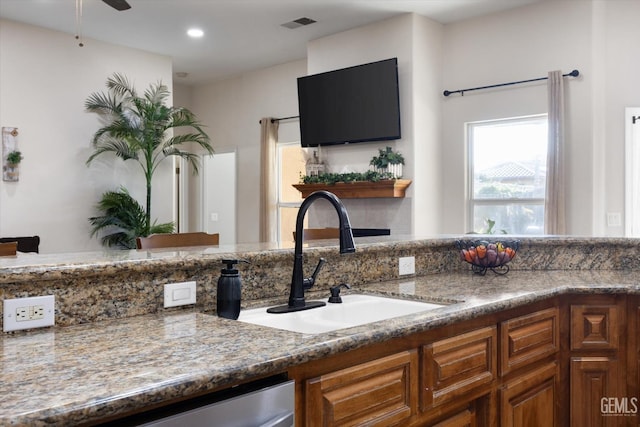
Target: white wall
[(45, 79), (597, 38), (416, 42), (427, 118), (615, 55), (231, 110)]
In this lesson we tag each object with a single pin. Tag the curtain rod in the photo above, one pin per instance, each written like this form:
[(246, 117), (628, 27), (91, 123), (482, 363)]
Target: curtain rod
[(574, 73), (280, 118)]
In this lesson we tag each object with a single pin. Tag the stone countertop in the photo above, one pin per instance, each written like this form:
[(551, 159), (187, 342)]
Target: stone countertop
[(84, 373), (41, 263)]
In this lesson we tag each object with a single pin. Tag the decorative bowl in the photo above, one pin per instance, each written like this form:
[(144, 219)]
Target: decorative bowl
[(486, 255)]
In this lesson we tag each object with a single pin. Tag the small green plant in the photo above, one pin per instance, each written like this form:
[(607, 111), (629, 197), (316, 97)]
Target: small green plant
[(386, 157), (14, 157), (489, 230)]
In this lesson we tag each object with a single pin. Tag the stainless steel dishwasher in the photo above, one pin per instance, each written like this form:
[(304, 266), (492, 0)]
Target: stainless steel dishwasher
[(264, 403)]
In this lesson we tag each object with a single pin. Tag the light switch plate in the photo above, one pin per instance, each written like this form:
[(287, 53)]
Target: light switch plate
[(614, 219), (176, 294), (28, 313)]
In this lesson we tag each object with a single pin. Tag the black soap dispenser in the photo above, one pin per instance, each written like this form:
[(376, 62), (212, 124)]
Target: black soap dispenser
[(229, 290)]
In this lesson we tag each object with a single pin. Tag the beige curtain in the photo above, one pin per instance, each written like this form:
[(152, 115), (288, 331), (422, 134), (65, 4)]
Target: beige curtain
[(268, 180), (554, 214)]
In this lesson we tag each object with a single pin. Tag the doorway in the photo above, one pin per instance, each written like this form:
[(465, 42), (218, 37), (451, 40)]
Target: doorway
[(632, 172), (219, 188)]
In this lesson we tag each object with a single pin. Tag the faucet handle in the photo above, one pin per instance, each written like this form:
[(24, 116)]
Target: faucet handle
[(309, 282), (335, 293)]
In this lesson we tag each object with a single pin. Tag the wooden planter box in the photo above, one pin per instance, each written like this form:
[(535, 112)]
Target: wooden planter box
[(359, 189)]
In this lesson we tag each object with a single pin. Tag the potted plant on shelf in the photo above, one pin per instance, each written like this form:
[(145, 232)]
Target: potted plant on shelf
[(354, 184), (138, 128), (389, 161), (383, 179)]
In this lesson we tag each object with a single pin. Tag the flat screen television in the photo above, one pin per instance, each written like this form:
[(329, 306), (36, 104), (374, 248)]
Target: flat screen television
[(354, 104)]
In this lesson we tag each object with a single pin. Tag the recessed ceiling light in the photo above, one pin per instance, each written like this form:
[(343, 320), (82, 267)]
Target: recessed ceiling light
[(195, 33)]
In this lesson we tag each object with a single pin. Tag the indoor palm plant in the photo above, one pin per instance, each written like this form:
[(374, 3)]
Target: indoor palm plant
[(138, 128)]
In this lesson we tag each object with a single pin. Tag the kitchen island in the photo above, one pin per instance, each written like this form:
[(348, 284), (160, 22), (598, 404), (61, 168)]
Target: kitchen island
[(90, 371)]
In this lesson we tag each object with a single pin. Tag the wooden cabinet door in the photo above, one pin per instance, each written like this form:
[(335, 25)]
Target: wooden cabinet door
[(592, 379), (530, 399), (383, 392), (633, 377), (598, 360)]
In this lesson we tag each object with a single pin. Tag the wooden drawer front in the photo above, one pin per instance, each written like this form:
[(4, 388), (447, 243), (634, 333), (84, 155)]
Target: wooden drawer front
[(380, 392), (529, 338), (594, 327), (456, 366), (530, 399), (465, 418)]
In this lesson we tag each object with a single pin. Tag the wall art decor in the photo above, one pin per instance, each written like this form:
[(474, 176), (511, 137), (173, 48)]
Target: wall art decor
[(11, 156)]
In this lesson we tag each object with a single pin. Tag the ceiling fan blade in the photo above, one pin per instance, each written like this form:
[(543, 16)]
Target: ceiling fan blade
[(118, 4)]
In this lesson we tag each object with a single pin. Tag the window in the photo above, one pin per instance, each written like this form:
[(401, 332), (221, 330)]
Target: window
[(507, 170), (291, 163)]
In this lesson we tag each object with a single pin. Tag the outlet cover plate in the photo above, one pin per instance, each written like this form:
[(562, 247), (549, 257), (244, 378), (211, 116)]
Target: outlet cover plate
[(28, 313), (176, 294), (406, 265)]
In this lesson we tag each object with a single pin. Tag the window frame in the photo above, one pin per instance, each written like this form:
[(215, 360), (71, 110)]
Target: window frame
[(471, 201), (279, 203)]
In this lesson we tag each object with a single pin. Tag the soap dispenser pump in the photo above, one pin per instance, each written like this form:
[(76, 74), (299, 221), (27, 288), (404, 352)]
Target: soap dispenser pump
[(229, 290)]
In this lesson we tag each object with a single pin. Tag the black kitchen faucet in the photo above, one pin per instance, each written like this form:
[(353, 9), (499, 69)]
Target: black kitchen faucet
[(298, 282)]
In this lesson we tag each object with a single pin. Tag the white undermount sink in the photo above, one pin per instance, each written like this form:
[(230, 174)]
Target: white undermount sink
[(354, 310)]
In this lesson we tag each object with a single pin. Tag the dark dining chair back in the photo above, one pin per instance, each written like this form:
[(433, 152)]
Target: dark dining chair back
[(25, 244), (319, 233)]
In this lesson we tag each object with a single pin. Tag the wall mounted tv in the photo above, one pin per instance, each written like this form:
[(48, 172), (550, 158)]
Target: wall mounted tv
[(354, 104)]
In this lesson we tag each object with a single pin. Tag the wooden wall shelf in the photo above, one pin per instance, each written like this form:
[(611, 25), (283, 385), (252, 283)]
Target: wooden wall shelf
[(359, 189)]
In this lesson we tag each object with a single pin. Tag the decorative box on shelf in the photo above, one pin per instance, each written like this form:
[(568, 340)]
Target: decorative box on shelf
[(359, 189)]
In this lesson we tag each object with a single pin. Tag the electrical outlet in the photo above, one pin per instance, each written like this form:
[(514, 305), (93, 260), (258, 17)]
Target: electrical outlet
[(28, 313), (406, 265), (176, 294)]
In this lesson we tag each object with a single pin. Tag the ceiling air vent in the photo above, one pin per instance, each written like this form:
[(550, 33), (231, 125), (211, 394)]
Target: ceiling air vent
[(300, 22)]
